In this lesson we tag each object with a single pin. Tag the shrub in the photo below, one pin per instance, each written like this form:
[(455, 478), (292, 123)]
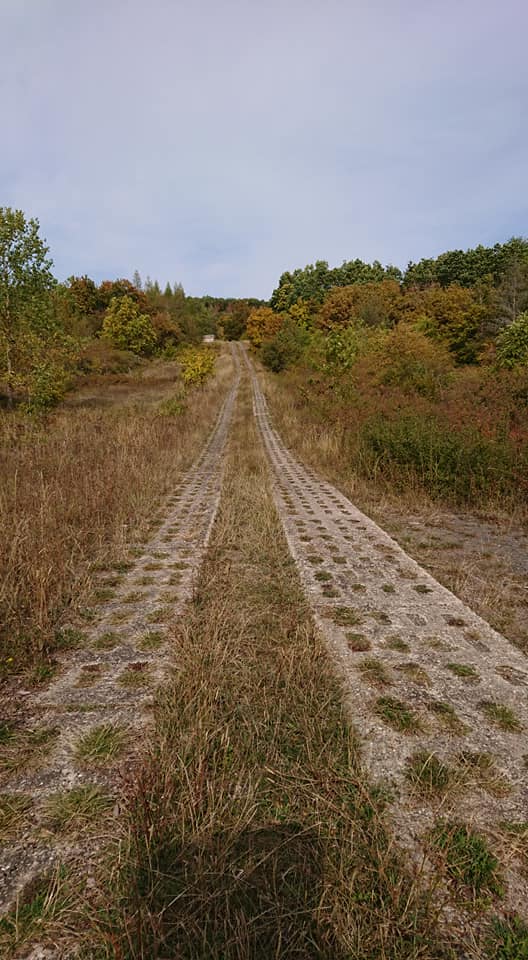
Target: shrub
[(128, 329), (262, 324), (512, 343), (173, 406), (99, 356), (459, 466), (286, 347), (406, 358), (197, 365)]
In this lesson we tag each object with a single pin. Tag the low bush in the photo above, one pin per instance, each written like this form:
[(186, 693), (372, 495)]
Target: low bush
[(461, 466), (197, 365)]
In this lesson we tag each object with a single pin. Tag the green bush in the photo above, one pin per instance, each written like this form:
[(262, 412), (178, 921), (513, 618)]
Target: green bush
[(512, 343), (459, 466), (173, 406), (197, 365), (48, 386), (286, 347)]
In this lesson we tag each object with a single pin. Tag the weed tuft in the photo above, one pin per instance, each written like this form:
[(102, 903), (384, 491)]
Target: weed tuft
[(463, 670), (100, 745), (398, 715), (467, 859), (500, 715)]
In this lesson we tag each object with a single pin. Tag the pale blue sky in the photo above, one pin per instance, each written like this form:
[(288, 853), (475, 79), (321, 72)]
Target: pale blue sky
[(220, 142)]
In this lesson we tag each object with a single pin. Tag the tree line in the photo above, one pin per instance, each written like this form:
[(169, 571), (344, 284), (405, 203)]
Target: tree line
[(51, 331), (473, 302)]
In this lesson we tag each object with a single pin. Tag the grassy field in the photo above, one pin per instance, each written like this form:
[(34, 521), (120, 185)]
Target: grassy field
[(79, 486)]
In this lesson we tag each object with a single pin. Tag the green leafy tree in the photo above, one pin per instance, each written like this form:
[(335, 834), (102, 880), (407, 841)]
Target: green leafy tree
[(315, 280), (234, 319), (512, 343), (25, 282), (128, 329), (468, 267)]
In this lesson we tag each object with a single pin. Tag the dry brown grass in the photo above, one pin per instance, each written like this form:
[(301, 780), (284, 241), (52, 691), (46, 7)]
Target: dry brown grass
[(77, 488)]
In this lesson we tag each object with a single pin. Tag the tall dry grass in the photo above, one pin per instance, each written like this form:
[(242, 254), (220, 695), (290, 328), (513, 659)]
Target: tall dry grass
[(77, 488)]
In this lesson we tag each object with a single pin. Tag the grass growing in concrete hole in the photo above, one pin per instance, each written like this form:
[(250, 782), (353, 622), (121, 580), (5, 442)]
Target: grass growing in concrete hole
[(345, 616), (428, 774), (100, 745), (374, 671), (152, 640), (398, 715), (463, 670), (467, 860), (14, 810), (446, 714), (357, 642), (500, 715), (77, 809), (20, 749)]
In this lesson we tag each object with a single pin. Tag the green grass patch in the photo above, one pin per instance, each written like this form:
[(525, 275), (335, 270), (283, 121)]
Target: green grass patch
[(500, 715), (507, 940), (357, 642), (345, 616), (14, 810), (374, 671), (467, 859), (78, 809), (446, 714), (100, 745), (463, 670), (152, 640), (398, 715), (428, 774), (22, 748)]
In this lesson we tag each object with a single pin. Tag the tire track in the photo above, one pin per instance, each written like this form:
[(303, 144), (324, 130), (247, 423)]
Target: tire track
[(109, 682), (423, 672)]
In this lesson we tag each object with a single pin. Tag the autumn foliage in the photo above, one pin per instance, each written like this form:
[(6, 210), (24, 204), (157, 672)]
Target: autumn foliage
[(424, 377)]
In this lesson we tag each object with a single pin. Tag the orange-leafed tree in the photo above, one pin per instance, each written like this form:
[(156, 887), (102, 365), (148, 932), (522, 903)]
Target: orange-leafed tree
[(372, 304)]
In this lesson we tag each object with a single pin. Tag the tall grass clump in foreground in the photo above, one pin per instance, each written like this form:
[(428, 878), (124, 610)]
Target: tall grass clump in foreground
[(252, 832), (76, 487)]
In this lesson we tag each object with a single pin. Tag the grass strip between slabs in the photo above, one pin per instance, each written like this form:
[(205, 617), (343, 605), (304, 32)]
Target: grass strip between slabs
[(253, 832)]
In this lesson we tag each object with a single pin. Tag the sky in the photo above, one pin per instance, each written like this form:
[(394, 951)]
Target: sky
[(218, 143)]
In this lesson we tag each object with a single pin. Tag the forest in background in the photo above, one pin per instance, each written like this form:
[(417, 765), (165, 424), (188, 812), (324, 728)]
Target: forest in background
[(52, 333), (422, 374)]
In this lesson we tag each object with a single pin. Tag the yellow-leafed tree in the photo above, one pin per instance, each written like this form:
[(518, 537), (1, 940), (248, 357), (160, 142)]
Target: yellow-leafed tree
[(262, 324)]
